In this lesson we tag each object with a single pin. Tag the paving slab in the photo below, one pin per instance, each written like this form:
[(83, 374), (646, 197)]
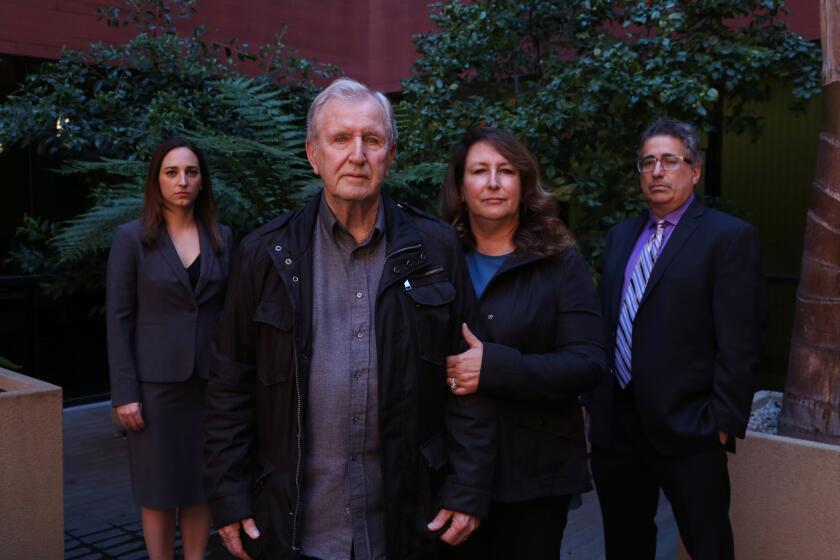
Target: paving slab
[(101, 520)]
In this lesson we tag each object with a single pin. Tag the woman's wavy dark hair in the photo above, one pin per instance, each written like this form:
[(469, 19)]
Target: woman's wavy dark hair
[(540, 231), (153, 213)]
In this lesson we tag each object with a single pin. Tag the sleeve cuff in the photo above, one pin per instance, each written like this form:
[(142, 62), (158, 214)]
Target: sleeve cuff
[(229, 509), (497, 362), (465, 499)]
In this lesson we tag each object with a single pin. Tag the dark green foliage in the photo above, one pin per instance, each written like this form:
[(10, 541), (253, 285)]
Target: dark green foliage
[(4, 363), (579, 80), (32, 253), (104, 109)]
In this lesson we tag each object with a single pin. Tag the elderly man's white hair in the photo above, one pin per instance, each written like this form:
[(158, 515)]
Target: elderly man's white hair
[(345, 88)]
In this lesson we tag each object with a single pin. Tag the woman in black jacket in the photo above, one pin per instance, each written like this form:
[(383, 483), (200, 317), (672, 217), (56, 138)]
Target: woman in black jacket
[(167, 273), (542, 341)]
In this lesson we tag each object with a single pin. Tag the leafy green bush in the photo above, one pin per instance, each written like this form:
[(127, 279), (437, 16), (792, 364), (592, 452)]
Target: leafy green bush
[(105, 108), (578, 80)]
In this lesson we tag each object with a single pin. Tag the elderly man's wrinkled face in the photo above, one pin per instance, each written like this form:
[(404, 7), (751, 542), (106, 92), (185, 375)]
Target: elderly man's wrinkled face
[(351, 151)]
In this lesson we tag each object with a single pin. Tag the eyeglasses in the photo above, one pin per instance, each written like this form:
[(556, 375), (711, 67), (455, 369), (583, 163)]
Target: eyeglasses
[(669, 162)]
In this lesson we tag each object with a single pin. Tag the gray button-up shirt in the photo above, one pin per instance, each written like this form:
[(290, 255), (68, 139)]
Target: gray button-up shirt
[(343, 500)]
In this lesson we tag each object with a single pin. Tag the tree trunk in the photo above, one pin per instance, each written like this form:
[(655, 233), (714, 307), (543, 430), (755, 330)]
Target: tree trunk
[(811, 406)]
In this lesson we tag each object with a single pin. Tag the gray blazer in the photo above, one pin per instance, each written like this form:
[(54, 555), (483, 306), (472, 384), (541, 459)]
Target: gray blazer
[(159, 330)]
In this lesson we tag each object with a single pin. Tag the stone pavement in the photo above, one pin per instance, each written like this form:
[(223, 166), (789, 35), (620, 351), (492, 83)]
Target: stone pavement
[(101, 520)]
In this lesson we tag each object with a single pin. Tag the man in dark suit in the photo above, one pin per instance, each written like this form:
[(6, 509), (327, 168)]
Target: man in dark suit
[(680, 292)]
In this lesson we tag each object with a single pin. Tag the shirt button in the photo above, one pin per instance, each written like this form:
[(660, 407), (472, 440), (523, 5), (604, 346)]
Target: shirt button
[(288, 261), (354, 458), (355, 419), (357, 375), (278, 248), (295, 278), (490, 317), (358, 295), (360, 334)]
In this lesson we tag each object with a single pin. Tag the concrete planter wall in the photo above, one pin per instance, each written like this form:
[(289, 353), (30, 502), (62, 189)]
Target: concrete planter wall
[(785, 499), (31, 497)]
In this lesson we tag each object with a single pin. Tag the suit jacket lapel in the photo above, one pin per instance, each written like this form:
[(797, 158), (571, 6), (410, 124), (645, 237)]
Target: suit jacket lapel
[(208, 258), (625, 240), (684, 229), (170, 255)]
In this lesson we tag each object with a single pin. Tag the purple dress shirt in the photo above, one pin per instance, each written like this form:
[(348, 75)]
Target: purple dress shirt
[(671, 221)]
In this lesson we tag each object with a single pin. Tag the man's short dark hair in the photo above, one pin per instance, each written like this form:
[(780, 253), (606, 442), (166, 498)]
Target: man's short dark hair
[(677, 129)]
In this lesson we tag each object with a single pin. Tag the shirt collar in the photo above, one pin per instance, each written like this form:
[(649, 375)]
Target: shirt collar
[(332, 225), (672, 218)]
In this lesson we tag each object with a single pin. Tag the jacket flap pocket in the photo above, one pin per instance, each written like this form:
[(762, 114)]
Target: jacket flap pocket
[(439, 293), (434, 451), (275, 347), (275, 314), (266, 469)]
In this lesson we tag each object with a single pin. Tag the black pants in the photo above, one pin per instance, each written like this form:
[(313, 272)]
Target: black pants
[(628, 478), (352, 556), (532, 530)]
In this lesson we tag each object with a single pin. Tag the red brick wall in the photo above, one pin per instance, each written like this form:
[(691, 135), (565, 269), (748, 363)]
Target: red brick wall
[(369, 39)]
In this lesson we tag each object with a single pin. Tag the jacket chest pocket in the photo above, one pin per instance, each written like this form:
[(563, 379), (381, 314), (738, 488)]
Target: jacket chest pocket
[(432, 319), (275, 346)]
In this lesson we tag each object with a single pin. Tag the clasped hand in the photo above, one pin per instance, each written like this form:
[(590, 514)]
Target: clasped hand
[(465, 368)]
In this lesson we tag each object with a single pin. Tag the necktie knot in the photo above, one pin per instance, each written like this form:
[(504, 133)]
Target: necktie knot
[(655, 241), (660, 226)]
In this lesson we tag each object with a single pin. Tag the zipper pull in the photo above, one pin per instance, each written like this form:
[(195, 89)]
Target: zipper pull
[(407, 286)]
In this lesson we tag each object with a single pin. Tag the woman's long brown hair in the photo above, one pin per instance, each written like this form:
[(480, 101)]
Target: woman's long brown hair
[(540, 231), (154, 207)]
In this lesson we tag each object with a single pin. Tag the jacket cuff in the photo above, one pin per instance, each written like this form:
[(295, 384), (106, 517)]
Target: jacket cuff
[(125, 392), (499, 366), (464, 499), (730, 424), (230, 509)]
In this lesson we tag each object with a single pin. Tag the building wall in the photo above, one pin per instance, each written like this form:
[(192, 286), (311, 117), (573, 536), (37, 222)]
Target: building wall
[(769, 180), (369, 39)]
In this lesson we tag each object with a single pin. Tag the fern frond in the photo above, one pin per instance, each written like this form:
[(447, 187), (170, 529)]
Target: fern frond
[(118, 167), (91, 231)]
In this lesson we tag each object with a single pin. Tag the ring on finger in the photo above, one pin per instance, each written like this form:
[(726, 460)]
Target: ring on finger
[(453, 384)]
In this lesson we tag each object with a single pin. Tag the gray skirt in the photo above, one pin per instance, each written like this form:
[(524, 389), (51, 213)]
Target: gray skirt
[(167, 464)]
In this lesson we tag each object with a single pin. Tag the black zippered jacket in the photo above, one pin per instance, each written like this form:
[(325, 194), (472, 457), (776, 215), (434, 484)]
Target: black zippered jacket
[(542, 348), (437, 450)]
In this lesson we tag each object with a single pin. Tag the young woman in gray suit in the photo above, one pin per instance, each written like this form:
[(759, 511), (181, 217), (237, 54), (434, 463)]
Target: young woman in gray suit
[(167, 274)]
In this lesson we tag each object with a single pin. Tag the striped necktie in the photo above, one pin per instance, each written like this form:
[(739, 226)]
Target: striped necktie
[(632, 298)]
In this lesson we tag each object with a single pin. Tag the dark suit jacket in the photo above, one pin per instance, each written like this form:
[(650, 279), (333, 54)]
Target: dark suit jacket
[(696, 335), (159, 330)]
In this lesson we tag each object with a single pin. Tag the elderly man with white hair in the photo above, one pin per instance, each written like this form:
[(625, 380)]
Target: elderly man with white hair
[(331, 432)]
